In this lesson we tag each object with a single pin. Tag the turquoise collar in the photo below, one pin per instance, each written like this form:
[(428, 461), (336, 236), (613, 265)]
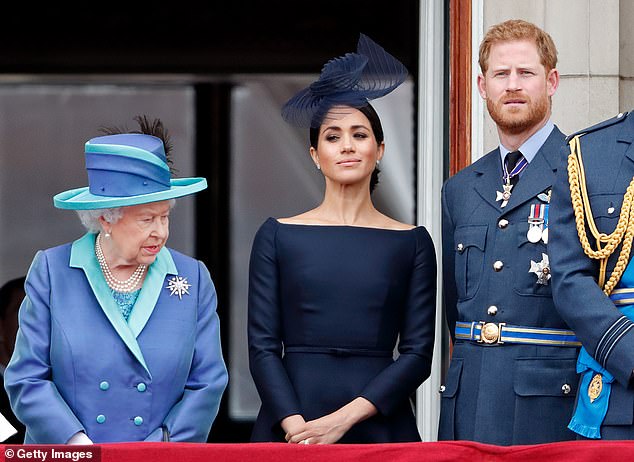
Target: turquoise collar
[(82, 255)]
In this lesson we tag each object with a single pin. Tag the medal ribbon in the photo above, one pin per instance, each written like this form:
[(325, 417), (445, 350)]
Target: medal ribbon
[(521, 165), (539, 214)]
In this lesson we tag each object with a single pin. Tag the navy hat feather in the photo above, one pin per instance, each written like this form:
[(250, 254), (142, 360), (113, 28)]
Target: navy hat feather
[(350, 80)]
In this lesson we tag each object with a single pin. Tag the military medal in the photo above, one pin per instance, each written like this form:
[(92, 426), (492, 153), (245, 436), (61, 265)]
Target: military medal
[(534, 234), (541, 270), (545, 197), (545, 229), (536, 223), (595, 387), (505, 194)]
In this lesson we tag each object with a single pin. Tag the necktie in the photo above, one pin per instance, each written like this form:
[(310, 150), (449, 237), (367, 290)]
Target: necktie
[(511, 161)]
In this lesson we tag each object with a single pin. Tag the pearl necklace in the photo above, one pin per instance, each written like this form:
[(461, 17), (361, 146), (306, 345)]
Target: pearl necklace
[(120, 286)]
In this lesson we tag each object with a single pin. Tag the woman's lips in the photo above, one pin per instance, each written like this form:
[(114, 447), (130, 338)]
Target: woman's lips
[(348, 162), (152, 249)]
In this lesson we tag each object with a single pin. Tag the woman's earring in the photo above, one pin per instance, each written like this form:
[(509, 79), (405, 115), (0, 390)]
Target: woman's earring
[(378, 162), (318, 167), (107, 235)]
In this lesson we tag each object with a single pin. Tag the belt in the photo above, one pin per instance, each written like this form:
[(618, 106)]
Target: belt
[(338, 351), (499, 333)]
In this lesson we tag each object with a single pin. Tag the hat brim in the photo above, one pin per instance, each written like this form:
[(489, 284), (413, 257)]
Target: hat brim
[(83, 199)]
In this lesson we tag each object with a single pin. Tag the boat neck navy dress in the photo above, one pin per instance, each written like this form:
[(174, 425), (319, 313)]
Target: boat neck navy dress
[(327, 307)]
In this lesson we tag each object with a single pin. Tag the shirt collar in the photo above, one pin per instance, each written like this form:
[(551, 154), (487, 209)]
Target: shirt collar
[(532, 145)]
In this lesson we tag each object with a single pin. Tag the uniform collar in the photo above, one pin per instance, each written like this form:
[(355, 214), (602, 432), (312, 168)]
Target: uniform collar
[(82, 255)]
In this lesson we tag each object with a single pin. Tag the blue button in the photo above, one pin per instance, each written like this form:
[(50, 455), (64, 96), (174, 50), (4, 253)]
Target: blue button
[(104, 385), (138, 420), (141, 387), (101, 418)]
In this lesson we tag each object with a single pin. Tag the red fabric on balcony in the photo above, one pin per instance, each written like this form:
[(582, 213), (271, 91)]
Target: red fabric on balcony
[(575, 451)]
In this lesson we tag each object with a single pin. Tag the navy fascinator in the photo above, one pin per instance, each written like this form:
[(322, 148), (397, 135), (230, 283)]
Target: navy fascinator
[(350, 80)]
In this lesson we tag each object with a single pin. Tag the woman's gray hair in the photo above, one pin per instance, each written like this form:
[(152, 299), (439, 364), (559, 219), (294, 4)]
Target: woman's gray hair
[(90, 218)]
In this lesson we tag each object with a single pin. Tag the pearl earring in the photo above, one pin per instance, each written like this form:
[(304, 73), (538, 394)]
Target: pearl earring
[(107, 234), (318, 167), (378, 162)]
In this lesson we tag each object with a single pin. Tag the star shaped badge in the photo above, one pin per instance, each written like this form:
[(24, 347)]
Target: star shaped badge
[(541, 270), (178, 286)]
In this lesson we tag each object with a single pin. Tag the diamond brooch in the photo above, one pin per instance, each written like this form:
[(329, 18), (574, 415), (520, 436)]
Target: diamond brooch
[(178, 286)]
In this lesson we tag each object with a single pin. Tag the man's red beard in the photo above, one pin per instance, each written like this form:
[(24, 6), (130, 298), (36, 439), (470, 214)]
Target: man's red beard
[(518, 119)]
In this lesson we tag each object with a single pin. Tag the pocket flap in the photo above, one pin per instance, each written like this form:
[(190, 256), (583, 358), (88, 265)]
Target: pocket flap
[(546, 377), (606, 205), (471, 236), (453, 378)]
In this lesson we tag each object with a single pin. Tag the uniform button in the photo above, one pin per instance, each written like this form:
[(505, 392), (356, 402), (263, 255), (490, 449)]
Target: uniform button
[(141, 387), (498, 265), (610, 210), (503, 223), (460, 247), (492, 310), (138, 420), (442, 389), (101, 418), (104, 385), (565, 388), (620, 115)]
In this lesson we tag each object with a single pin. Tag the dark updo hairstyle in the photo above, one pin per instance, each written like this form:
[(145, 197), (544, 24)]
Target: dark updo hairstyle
[(377, 129)]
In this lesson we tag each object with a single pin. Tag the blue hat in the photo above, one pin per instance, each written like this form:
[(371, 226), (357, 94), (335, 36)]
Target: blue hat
[(350, 80), (126, 169)]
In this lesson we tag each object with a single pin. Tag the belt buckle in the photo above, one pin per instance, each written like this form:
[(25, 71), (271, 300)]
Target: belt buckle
[(491, 332)]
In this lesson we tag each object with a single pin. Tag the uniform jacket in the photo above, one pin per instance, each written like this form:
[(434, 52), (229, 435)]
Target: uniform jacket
[(502, 393), (608, 157), (78, 366)]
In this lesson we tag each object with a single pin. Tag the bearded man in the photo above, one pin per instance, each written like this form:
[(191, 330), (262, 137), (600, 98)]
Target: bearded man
[(512, 377)]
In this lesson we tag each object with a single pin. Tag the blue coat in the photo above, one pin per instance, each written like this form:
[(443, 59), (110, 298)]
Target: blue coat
[(78, 366), (608, 157), (501, 393)]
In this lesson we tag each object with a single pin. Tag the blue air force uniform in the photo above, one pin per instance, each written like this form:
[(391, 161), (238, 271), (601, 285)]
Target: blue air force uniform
[(512, 376), (604, 324)]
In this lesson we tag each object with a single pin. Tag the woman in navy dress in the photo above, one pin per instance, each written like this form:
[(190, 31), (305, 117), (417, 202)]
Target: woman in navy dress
[(333, 291)]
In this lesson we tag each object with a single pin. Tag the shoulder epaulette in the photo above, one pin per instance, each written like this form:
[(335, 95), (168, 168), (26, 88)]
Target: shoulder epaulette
[(606, 123)]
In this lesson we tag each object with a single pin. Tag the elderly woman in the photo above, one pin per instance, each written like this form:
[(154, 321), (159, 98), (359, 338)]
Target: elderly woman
[(119, 337)]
